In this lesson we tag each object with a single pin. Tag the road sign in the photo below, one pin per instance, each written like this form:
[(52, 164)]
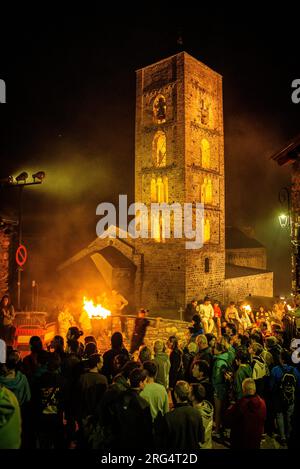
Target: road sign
[(21, 255)]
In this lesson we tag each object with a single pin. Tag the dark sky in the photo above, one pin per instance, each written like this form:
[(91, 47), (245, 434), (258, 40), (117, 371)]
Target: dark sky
[(71, 105)]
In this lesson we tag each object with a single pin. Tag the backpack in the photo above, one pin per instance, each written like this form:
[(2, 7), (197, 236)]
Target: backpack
[(95, 434), (287, 389), (50, 400)]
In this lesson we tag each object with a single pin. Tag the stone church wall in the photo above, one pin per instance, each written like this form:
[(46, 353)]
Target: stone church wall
[(255, 258), (236, 289)]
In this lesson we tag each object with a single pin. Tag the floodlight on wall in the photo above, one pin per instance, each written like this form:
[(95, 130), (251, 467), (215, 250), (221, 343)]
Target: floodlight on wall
[(40, 175), (22, 177)]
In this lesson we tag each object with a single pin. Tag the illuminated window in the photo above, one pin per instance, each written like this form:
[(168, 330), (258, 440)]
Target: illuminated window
[(206, 230), (203, 191), (208, 192), (155, 226), (206, 265), (166, 189), (206, 195), (159, 149), (153, 190), (159, 190), (159, 109), (205, 153), (159, 194)]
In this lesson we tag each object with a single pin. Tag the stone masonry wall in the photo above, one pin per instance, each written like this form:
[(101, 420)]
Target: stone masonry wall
[(254, 258), (158, 329), (204, 121), (236, 289)]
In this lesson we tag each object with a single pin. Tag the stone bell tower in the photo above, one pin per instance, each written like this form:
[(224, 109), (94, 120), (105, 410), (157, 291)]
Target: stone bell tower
[(179, 158)]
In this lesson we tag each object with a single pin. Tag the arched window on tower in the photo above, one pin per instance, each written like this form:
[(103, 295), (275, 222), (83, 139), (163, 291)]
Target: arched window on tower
[(159, 194), (153, 190), (160, 190), (203, 191), (159, 149), (206, 265), (166, 189), (206, 195), (205, 153), (209, 192), (206, 230), (159, 109)]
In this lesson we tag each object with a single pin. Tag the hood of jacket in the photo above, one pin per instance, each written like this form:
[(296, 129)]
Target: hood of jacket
[(14, 384), (222, 357), (251, 404), (259, 368), (10, 420), (161, 356), (206, 409), (7, 406)]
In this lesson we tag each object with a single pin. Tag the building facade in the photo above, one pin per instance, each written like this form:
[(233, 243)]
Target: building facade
[(7, 261), (290, 155)]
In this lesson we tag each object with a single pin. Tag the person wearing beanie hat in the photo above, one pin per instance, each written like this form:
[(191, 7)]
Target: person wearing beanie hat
[(162, 362), (274, 349)]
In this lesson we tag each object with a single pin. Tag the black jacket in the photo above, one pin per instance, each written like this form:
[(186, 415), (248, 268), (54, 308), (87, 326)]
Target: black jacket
[(90, 390), (132, 422), (182, 429), (205, 354), (189, 312), (209, 390), (108, 362), (139, 332), (176, 370)]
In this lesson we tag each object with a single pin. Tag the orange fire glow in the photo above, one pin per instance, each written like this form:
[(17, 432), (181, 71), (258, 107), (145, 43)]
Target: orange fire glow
[(94, 310)]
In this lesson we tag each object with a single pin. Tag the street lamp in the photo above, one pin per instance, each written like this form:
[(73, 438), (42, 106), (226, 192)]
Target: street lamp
[(40, 175), (283, 220), (284, 199), (291, 220), (20, 184)]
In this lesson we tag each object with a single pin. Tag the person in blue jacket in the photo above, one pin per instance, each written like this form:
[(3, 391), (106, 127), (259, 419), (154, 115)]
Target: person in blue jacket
[(285, 387)]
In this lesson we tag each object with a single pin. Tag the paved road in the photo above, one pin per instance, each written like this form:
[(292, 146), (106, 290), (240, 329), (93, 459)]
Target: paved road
[(267, 443)]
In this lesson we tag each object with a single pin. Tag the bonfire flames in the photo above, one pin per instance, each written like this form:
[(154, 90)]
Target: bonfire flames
[(95, 311)]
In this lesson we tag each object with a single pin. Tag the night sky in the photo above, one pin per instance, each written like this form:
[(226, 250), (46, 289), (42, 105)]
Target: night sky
[(70, 111)]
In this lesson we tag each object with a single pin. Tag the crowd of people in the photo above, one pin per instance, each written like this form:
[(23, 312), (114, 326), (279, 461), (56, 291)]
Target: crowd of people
[(234, 380)]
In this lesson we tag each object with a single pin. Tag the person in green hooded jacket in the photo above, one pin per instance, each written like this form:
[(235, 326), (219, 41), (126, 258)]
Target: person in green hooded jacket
[(221, 365), (10, 420), (13, 379), (244, 371)]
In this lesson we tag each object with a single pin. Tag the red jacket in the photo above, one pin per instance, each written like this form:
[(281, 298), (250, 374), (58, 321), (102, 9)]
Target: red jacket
[(246, 420), (217, 311)]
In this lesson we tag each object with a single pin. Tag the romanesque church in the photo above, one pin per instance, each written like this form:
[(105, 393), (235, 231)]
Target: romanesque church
[(179, 158)]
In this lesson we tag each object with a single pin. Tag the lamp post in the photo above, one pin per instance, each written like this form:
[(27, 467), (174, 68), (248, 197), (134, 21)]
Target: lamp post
[(20, 182), (285, 200), (289, 220)]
